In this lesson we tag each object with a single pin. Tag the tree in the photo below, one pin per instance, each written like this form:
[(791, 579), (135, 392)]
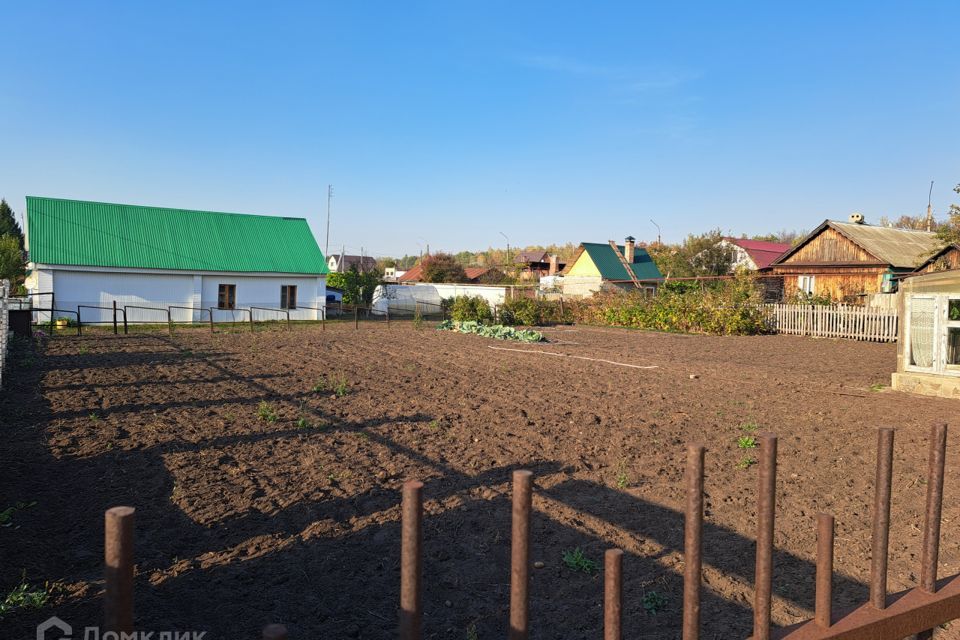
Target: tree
[(12, 266), (913, 223), (783, 236), (699, 255), (443, 267), (949, 231), (357, 287), (8, 223)]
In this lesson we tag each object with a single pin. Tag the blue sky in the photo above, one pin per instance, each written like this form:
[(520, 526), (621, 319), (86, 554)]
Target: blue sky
[(448, 123)]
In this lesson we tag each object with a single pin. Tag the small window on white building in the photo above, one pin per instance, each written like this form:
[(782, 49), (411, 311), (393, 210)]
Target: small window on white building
[(227, 296), (922, 324), (288, 296), (806, 284), (953, 335)]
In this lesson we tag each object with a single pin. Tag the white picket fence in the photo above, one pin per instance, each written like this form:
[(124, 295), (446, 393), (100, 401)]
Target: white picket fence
[(4, 325), (834, 321)]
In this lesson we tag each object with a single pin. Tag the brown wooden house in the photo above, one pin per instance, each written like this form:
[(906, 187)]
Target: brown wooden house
[(847, 260)]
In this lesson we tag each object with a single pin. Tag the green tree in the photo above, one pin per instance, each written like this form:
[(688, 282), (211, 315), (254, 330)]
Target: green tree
[(12, 266), (443, 267), (949, 231), (357, 287), (8, 223), (698, 255)]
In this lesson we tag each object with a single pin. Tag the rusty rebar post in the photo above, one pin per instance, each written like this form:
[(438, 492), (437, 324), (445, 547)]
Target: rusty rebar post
[(411, 605), (692, 542), (766, 512), (934, 513), (274, 632), (931, 528), (613, 594), (356, 316), (520, 555), (118, 569), (881, 519), (823, 612)]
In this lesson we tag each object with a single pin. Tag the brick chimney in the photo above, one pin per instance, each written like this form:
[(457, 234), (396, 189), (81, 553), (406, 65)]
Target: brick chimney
[(628, 246), (554, 263)]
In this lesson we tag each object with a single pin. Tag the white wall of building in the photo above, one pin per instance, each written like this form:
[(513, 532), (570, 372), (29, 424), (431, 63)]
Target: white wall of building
[(405, 296), (99, 287)]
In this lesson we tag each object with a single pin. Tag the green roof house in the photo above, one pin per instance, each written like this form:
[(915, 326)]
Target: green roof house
[(91, 254), (598, 266)]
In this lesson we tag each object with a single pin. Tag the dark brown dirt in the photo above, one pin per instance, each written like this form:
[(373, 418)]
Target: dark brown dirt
[(242, 521)]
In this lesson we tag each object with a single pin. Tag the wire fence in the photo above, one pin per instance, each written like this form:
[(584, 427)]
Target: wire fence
[(4, 325)]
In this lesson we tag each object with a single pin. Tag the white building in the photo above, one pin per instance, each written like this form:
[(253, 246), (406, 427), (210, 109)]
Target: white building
[(92, 254)]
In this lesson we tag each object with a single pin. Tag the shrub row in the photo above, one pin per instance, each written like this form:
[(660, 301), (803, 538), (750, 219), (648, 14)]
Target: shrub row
[(729, 308), (526, 312)]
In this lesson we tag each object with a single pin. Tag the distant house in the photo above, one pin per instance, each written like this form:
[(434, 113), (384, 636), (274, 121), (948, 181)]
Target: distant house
[(945, 259), (597, 266), (537, 264), (475, 275), (849, 260), (392, 274), (754, 255), (92, 254), (342, 263)]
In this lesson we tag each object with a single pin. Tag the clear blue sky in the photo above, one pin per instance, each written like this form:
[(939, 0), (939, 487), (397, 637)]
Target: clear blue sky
[(449, 123)]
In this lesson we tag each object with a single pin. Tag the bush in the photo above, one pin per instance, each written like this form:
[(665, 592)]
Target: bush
[(529, 312), (470, 309), (731, 308)]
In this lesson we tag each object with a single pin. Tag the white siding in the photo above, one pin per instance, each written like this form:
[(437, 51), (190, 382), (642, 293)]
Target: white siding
[(264, 291), (96, 288), (99, 288)]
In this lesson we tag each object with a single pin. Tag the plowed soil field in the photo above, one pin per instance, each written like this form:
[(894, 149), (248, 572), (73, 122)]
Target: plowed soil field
[(266, 468)]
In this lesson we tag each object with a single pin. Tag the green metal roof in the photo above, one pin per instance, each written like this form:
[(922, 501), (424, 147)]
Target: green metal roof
[(611, 268), (97, 234)]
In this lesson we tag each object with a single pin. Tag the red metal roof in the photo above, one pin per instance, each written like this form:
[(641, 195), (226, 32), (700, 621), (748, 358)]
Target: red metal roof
[(415, 274), (762, 253)]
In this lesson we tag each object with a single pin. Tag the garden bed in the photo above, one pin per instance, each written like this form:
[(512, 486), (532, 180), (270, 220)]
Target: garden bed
[(266, 469)]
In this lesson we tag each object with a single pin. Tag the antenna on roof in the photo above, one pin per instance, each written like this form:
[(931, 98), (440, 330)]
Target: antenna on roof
[(930, 208), (326, 248)]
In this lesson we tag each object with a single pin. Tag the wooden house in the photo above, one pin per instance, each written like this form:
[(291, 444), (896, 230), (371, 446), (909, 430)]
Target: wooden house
[(848, 260)]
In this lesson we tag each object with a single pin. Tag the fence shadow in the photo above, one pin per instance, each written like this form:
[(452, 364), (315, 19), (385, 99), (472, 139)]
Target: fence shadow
[(329, 567)]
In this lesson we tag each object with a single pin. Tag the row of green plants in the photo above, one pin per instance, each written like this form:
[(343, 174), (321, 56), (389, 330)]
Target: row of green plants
[(497, 331), (523, 312), (730, 307)]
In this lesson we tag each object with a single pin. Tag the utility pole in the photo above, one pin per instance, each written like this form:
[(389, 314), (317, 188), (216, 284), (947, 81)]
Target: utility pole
[(326, 248), (930, 208), (658, 232)]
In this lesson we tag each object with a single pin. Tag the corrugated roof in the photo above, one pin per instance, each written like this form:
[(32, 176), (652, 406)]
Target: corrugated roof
[(611, 268), (76, 232), (901, 248), (761, 252)]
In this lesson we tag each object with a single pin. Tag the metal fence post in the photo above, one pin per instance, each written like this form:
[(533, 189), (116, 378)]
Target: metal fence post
[(692, 542), (881, 519), (520, 556), (612, 594), (823, 612), (411, 542), (114, 317), (766, 511), (169, 321), (118, 560)]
